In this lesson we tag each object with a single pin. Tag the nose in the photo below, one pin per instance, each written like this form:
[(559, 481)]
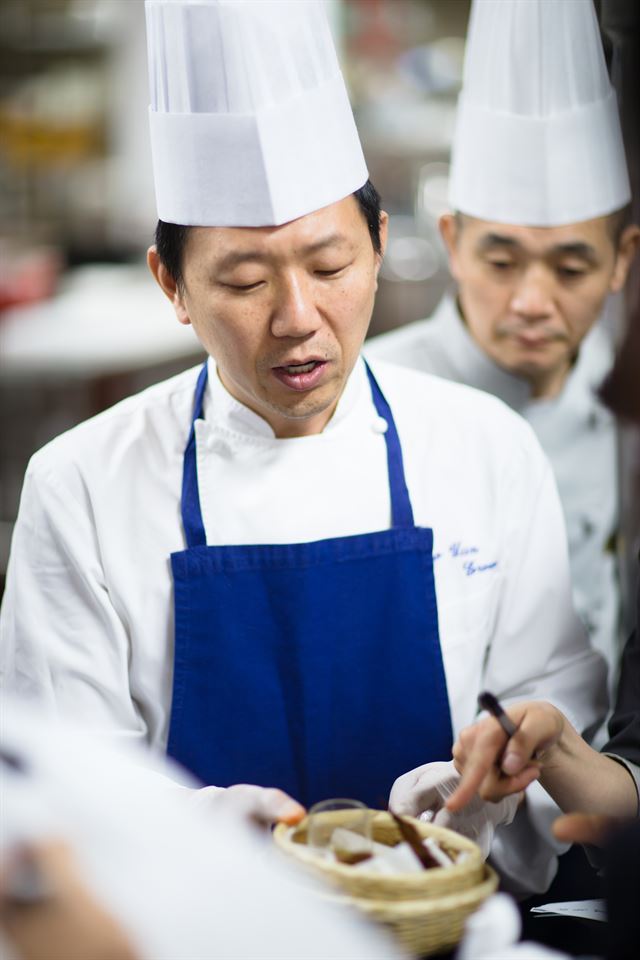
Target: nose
[(532, 297), (295, 313)]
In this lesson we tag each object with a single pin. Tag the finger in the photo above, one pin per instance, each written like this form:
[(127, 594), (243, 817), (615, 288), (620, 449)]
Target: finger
[(277, 806), (485, 748), (497, 787), (584, 828), (540, 727)]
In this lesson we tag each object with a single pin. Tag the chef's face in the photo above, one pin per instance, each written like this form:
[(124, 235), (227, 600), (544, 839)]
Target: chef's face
[(530, 294), (284, 310)]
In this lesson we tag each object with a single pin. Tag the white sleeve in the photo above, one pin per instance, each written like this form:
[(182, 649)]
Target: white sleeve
[(539, 651), (62, 641)]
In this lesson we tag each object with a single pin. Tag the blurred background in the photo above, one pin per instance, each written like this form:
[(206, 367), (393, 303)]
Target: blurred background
[(81, 321)]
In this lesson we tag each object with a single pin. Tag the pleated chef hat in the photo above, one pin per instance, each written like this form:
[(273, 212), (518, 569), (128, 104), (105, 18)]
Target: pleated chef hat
[(538, 138), (250, 120)]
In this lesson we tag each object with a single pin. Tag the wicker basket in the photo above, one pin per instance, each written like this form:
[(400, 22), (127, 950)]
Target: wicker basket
[(425, 910)]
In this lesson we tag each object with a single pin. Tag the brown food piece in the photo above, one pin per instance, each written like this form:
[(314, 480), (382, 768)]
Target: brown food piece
[(352, 857)]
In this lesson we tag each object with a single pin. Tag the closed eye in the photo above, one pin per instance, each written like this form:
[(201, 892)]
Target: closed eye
[(243, 287), (332, 273), (571, 273), (500, 264)]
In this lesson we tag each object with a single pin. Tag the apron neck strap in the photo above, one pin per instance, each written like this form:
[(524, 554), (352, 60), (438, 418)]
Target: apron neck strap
[(401, 512), (190, 504)]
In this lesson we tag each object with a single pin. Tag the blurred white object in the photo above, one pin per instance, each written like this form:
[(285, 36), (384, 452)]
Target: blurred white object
[(428, 787), (537, 101), (183, 887), (105, 319), (581, 909), (492, 931), (250, 120)]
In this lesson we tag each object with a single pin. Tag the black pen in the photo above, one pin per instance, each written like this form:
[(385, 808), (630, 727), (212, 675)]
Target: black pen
[(492, 705)]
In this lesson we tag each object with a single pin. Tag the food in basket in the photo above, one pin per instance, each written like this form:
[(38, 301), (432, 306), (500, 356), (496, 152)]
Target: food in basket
[(351, 848)]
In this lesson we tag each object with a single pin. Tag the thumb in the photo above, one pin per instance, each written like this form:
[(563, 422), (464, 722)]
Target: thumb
[(584, 828)]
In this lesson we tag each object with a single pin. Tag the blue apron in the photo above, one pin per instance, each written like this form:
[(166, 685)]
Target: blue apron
[(313, 667)]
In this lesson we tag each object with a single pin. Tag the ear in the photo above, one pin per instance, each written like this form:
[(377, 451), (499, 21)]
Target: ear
[(168, 285), (448, 226), (627, 249)]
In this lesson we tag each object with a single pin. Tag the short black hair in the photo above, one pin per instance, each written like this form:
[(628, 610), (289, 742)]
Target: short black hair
[(618, 221), (171, 238)]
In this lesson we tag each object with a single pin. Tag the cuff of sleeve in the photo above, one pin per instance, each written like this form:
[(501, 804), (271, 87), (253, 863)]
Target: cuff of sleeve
[(634, 772)]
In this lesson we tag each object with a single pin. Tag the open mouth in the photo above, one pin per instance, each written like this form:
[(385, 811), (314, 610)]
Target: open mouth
[(294, 368), (301, 376)]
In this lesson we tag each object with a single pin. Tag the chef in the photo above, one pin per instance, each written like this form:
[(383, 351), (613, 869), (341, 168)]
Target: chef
[(539, 239), (286, 568)]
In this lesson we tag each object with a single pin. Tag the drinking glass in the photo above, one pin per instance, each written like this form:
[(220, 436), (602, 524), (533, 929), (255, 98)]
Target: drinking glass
[(342, 826)]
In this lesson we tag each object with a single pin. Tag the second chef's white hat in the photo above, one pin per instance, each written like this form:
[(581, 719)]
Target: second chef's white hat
[(250, 120), (538, 138)]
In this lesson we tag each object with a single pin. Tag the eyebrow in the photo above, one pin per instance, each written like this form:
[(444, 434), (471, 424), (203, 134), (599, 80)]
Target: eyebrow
[(234, 259), (578, 248)]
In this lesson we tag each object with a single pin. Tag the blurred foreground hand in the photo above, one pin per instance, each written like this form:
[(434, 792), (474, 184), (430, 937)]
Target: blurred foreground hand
[(261, 805), (47, 913), (592, 828)]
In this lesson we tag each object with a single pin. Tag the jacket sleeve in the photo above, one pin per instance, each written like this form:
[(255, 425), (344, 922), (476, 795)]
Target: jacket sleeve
[(62, 640), (539, 651), (624, 726)]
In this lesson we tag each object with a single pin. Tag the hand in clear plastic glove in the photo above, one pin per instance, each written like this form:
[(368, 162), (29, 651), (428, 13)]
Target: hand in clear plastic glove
[(423, 793), (262, 805)]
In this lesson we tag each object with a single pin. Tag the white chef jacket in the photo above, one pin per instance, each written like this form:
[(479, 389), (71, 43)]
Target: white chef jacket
[(87, 618), (182, 884), (576, 431)]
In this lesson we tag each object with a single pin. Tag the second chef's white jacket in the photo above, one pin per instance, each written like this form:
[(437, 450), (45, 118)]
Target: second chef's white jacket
[(87, 619), (577, 433)]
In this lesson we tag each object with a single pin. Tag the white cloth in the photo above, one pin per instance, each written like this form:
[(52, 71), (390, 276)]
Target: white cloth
[(576, 432), (491, 933), (87, 619), (181, 884), (537, 138)]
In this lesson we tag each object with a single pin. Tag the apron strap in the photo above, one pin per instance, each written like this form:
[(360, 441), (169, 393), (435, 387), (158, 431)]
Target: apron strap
[(401, 512), (190, 504)]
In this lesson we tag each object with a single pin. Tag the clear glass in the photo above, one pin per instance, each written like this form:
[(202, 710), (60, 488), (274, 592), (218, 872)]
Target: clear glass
[(343, 827)]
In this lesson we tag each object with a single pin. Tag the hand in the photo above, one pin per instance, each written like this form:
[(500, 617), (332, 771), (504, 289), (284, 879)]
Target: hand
[(262, 805), (428, 787), (46, 911), (586, 828), (478, 753)]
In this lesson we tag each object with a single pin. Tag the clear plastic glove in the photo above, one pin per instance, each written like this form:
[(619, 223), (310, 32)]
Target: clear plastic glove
[(261, 805), (424, 791)]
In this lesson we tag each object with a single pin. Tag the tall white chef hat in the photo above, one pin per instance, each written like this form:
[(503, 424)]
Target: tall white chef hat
[(538, 138), (250, 120)]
